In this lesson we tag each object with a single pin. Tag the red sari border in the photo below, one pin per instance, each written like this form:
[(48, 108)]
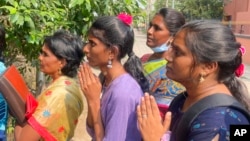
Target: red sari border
[(41, 130)]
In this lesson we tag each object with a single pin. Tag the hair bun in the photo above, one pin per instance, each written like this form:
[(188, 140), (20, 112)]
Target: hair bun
[(126, 18)]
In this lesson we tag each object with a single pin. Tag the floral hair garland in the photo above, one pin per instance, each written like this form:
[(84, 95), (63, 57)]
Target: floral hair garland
[(240, 70), (126, 18)]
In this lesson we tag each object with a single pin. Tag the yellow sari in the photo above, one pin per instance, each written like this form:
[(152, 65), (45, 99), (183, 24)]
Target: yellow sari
[(56, 115)]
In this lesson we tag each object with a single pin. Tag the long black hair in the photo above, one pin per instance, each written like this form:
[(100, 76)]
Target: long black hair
[(210, 41), (114, 32)]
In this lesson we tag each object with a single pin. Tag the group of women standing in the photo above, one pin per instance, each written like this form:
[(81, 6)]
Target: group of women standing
[(181, 64), (118, 108)]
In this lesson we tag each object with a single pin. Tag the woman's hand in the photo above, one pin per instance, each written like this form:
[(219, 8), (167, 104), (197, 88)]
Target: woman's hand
[(91, 87), (150, 123), (89, 83)]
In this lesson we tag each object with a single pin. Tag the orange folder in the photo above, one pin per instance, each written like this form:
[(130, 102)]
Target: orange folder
[(17, 94)]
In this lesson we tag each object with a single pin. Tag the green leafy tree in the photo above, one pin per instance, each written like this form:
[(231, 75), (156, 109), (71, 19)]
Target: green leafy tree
[(85, 11), (159, 4), (193, 9), (28, 21), (199, 9)]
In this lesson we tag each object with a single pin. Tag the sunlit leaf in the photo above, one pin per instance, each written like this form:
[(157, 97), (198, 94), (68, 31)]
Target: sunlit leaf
[(73, 3), (14, 18), (11, 9)]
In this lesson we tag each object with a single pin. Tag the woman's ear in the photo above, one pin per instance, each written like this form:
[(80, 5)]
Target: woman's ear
[(114, 52), (209, 68), (63, 62)]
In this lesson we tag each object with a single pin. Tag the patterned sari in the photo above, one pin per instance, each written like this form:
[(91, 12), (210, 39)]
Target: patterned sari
[(60, 105), (162, 88)]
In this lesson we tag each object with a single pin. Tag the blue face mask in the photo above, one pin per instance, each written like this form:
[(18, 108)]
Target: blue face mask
[(162, 48)]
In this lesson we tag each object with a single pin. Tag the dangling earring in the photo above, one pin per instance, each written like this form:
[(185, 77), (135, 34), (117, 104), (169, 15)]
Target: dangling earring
[(109, 63), (201, 78)]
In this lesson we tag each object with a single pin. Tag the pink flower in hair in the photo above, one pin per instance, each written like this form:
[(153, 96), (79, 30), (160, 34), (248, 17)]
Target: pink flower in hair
[(240, 70), (126, 18), (242, 50)]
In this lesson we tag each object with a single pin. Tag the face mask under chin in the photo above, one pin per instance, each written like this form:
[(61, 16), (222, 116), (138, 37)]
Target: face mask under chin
[(162, 48)]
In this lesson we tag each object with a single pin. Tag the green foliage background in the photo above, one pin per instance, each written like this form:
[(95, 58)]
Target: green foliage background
[(195, 9), (28, 21)]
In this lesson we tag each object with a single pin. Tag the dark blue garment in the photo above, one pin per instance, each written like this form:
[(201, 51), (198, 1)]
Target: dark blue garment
[(209, 123)]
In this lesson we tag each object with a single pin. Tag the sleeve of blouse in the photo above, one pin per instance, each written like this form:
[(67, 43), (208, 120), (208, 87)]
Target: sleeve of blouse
[(215, 121)]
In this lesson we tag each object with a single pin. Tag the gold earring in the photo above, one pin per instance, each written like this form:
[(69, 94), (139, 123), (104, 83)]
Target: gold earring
[(201, 78)]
